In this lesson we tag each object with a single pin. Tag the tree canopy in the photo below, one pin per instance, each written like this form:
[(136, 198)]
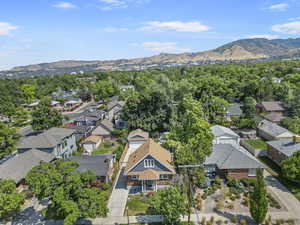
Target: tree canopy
[(45, 117), (291, 167), (10, 199), (72, 193)]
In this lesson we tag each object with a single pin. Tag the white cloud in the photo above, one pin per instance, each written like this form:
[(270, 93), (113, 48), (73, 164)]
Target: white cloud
[(287, 28), (114, 29), (64, 5), (279, 7), (267, 36), (177, 26), (294, 18), (113, 4), (167, 47), (6, 28)]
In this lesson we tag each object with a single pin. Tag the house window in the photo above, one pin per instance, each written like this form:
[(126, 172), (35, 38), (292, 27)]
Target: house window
[(148, 163), (134, 177), (252, 172), (163, 176)]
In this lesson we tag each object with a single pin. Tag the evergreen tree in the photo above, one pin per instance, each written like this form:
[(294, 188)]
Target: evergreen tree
[(258, 199)]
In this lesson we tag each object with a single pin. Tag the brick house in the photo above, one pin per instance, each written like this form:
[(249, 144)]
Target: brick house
[(280, 150), (232, 161)]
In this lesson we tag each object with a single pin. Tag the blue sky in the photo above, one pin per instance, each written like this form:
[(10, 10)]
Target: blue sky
[(36, 31)]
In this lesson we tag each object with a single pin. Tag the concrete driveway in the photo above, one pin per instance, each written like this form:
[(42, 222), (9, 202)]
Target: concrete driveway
[(118, 198), (285, 196)]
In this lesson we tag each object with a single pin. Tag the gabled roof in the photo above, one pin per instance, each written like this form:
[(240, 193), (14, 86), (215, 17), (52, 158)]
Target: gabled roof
[(272, 128), (92, 139), (274, 117), (17, 167), (235, 109), (104, 128), (48, 139), (226, 156), (286, 146), (153, 149), (219, 131), (272, 106), (138, 134), (113, 104), (99, 164)]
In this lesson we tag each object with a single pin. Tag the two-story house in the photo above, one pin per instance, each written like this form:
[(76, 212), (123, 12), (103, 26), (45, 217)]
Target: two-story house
[(150, 167), (60, 142)]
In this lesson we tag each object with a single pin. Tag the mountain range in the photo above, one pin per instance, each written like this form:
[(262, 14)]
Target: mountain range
[(241, 50)]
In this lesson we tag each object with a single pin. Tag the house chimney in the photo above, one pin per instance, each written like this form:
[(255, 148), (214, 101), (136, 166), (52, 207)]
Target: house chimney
[(296, 139)]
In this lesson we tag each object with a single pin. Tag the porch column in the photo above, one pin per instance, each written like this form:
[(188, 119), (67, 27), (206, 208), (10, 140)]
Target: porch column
[(142, 185)]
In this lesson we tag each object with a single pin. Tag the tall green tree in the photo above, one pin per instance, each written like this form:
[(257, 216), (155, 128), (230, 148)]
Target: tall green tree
[(8, 139), (249, 107), (190, 137), (10, 199), (103, 89), (171, 204), (291, 167), (45, 117), (29, 92), (258, 199)]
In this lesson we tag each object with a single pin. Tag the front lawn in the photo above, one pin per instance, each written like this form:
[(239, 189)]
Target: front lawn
[(138, 205), (257, 143), (107, 147), (275, 170)]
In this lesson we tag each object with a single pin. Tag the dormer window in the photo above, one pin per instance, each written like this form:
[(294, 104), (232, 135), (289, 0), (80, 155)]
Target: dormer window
[(148, 163)]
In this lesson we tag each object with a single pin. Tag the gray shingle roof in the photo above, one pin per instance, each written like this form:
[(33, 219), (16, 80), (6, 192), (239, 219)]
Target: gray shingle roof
[(47, 139), (285, 146), (272, 106), (17, 167), (219, 131), (227, 156), (99, 164), (235, 109), (105, 128), (274, 117), (272, 128)]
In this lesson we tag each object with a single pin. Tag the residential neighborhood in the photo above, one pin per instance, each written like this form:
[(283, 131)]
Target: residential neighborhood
[(138, 153)]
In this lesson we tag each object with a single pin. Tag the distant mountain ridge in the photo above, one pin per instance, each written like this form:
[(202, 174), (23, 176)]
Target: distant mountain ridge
[(240, 50)]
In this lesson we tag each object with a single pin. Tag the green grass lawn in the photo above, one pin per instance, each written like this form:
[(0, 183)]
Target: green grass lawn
[(138, 205), (106, 147), (275, 170), (257, 143)]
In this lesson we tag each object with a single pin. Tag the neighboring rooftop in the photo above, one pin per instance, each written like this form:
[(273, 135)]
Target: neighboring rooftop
[(272, 128), (219, 131), (274, 117), (47, 139), (137, 135), (99, 164), (235, 109), (272, 106), (18, 166), (227, 156), (286, 146)]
